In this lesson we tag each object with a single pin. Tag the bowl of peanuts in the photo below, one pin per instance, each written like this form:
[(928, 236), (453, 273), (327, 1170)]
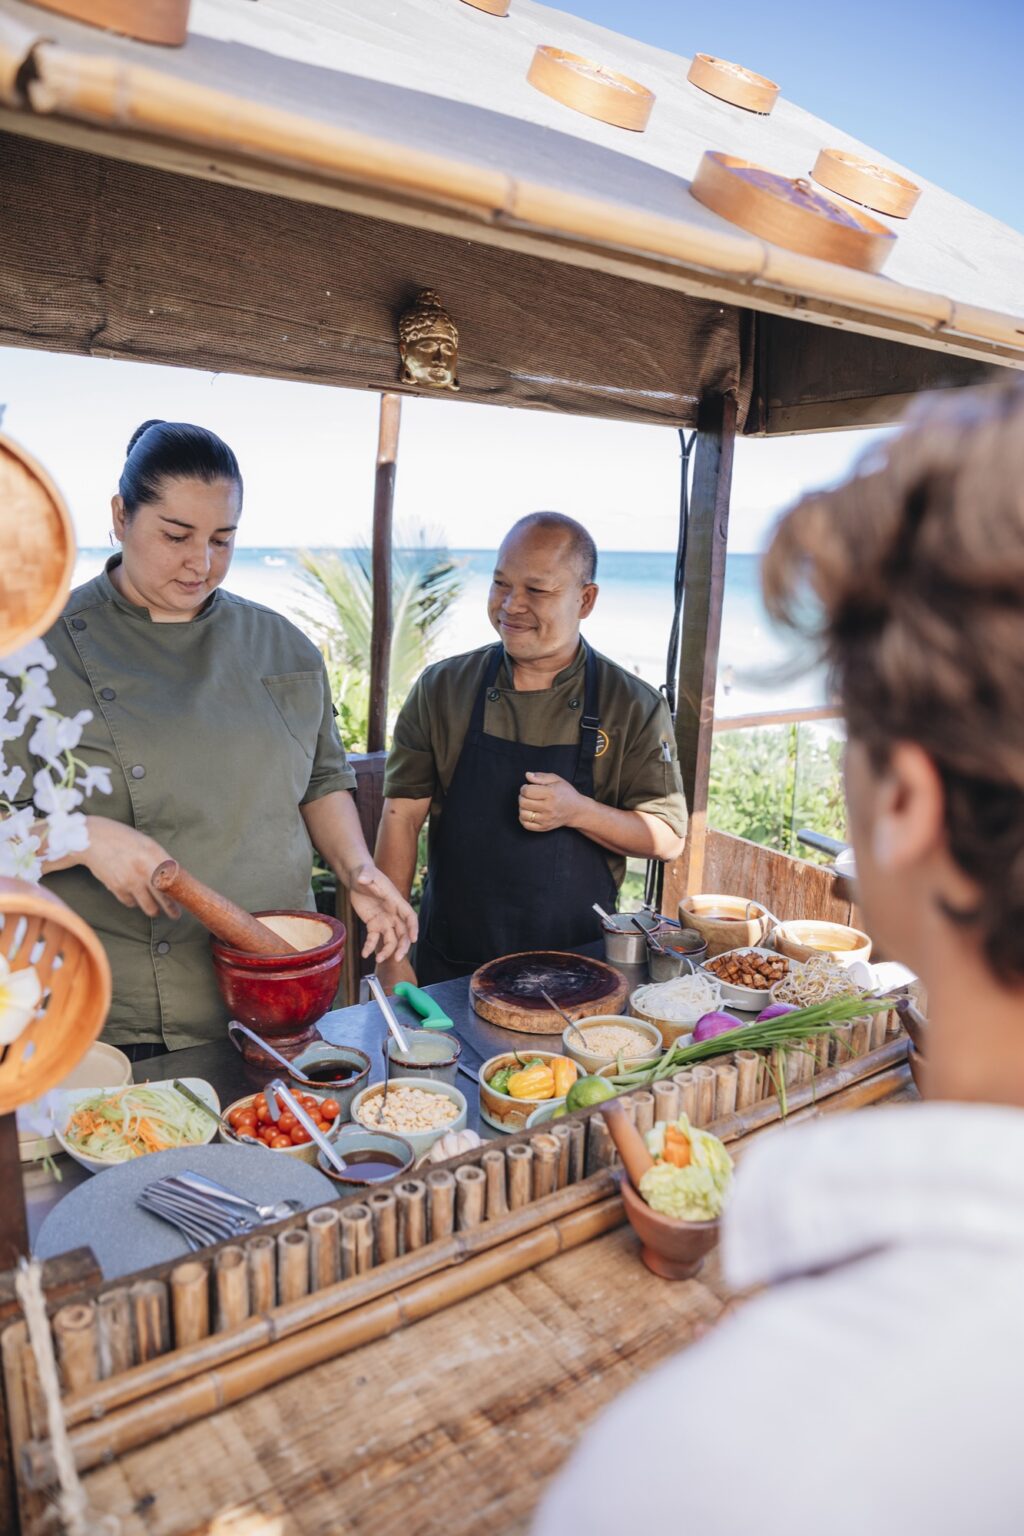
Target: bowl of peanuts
[(419, 1109), (746, 975)]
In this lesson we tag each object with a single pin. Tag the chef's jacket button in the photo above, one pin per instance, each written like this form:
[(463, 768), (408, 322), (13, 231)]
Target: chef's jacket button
[(78, 624), (138, 772), (574, 703), (494, 695), (107, 693), (163, 948)]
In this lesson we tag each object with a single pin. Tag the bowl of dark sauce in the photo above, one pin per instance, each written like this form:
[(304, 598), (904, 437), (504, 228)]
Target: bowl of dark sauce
[(371, 1157), (339, 1070)]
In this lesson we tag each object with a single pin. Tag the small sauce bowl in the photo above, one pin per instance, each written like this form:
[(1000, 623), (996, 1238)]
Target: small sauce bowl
[(382, 1155)]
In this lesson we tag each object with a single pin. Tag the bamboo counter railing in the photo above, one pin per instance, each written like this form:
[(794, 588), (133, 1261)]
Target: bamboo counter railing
[(142, 1358)]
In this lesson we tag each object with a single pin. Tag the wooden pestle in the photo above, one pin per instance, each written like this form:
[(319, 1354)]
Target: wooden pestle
[(630, 1144), (225, 919)]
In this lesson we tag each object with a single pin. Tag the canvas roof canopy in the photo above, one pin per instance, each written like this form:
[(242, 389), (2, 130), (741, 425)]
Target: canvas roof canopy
[(270, 196)]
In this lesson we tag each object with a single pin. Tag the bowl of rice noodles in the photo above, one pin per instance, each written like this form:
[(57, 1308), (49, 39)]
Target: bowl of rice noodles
[(675, 1006)]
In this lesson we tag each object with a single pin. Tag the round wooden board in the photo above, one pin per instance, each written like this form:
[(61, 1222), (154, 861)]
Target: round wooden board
[(733, 83), (506, 991), (38, 545), (588, 87), (790, 213), (873, 186)]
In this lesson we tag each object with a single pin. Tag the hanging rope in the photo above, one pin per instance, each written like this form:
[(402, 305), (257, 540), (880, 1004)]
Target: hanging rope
[(73, 1515)]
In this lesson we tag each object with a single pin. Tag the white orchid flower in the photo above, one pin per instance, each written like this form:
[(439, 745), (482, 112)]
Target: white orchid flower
[(51, 798), (11, 780), (94, 781), (55, 735), (20, 995), (34, 654), (19, 858), (6, 697), (65, 834), (36, 694)]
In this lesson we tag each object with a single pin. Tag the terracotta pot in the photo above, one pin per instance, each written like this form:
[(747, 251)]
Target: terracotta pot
[(672, 1249), (281, 996), (722, 922)]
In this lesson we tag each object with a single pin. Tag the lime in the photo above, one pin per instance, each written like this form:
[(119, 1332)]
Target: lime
[(557, 1114), (587, 1091)]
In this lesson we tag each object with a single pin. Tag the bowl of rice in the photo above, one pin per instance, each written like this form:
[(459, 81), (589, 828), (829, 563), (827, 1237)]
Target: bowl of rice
[(608, 1034), (674, 1007), (419, 1109)]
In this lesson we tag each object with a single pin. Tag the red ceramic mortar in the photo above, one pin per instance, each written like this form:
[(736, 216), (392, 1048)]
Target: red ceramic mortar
[(281, 997)]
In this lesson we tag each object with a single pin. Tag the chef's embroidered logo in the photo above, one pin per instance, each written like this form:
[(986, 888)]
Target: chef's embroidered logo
[(602, 743)]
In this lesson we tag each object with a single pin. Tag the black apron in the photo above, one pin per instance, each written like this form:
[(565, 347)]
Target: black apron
[(493, 888)]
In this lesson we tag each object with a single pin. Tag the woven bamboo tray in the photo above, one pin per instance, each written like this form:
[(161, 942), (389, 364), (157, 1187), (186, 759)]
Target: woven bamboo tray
[(37, 929), (177, 1343), (38, 546), (150, 21), (733, 83), (790, 213), (873, 186), (590, 88)]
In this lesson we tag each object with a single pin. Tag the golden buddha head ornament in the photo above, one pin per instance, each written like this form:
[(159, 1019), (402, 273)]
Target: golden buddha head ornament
[(429, 344)]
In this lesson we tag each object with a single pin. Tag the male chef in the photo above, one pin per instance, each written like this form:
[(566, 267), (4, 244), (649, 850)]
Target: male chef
[(541, 765)]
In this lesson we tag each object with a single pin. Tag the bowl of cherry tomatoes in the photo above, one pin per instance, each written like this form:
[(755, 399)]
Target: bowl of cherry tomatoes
[(251, 1117)]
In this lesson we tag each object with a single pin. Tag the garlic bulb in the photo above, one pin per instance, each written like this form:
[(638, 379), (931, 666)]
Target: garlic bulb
[(452, 1143)]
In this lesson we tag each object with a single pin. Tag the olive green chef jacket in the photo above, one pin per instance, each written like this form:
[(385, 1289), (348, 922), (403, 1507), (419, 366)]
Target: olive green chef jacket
[(635, 770), (216, 731)]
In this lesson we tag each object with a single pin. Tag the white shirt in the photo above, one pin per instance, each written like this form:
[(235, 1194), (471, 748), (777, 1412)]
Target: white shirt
[(875, 1388)]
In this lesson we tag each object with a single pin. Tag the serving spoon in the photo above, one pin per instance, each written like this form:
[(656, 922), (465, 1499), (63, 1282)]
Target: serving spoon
[(563, 1015), (268, 1050), (277, 1090), (208, 1109)]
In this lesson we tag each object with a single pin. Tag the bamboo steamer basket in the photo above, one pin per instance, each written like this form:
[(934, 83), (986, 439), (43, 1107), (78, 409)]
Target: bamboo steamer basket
[(590, 88), (874, 186), (722, 933), (37, 929), (150, 21), (492, 7), (733, 83), (790, 213), (38, 545)]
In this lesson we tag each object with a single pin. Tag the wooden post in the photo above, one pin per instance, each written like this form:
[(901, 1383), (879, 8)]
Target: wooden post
[(702, 629), (383, 507), (13, 1221)]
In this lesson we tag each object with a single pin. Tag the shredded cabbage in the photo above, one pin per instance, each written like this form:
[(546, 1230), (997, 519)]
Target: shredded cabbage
[(115, 1127), (695, 1193)]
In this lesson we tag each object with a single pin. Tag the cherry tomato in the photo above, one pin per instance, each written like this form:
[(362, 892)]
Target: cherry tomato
[(259, 1100), (330, 1109), (263, 1113), (279, 1142), (308, 1102), (300, 1136), (246, 1117), (266, 1134), (234, 1117), (287, 1122)]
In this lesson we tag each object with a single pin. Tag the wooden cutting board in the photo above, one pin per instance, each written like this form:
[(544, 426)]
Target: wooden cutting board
[(507, 991)]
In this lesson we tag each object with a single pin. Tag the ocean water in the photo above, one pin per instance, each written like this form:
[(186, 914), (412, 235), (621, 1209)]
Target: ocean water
[(630, 622)]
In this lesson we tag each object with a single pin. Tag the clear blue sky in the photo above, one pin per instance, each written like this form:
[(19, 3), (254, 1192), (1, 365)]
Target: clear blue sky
[(937, 85)]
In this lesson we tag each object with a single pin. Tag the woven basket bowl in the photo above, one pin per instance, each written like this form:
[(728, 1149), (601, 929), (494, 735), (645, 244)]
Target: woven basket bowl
[(36, 928), (38, 546)]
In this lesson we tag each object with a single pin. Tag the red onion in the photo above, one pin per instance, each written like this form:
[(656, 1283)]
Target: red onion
[(713, 1024), (775, 1011)]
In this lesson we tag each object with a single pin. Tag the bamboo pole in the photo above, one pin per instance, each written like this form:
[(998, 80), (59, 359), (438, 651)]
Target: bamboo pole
[(356, 1240), (190, 1303), (493, 1164), (643, 1105), (383, 516), (384, 1210), (441, 1202), (114, 1331), (196, 1398), (748, 1070), (75, 1335), (563, 1136), (545, 1165), (860, 1035), (231, 1280), (324, 1249), (766, 1111), (687, 1093), (470, 1196), (292, 1264), (577, 1150), (601, 1151), (411, 1195), (151, 1319), (519, 1162), (726, 1085), (842, 1046), (666, 1101), (704, 1094), (261, 1252), (35, 1400)]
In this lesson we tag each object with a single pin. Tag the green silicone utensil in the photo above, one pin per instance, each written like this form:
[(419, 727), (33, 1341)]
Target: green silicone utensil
[(432, 1015)]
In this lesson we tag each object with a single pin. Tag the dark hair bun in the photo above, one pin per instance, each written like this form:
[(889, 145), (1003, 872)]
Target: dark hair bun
[(156, 422), (173, 450)]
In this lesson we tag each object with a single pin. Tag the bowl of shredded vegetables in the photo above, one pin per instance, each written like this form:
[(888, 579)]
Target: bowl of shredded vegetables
[(100, 1128)]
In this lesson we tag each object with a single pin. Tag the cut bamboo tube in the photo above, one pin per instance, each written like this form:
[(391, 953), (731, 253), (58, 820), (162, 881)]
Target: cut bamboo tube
[(577, 1150), (324, 1247), (842, 1048), (470, 1196), (200, 1396), (151, 1319), (292, 1264), (726, 1084), (832, 1092), (261, 1253), (231, 1280), (808, 1050), (879, 1025), (35, 1399), (562, 1135), (493, 1164), (629, 1109), (519, 1161), (343, 1298), (356, 1240), (860, 1035), (748, 1072), (384, 1210), (411, 1195), (114, 1331), (666, 1101), (822, 1050), (75, 1334), (643, 1104), (687, 1093), (704, 1094), (441, 1202), (190, 1303), (601, 1151), (545, 1165)]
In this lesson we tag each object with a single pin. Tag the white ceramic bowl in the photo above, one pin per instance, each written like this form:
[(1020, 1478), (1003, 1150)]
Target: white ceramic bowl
[(672, 1030), (420, 1141), (749, 999), (804, 940), (593, 1061), (74, 1097), (305, 1152), (501, 1110), (102, 1064)]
